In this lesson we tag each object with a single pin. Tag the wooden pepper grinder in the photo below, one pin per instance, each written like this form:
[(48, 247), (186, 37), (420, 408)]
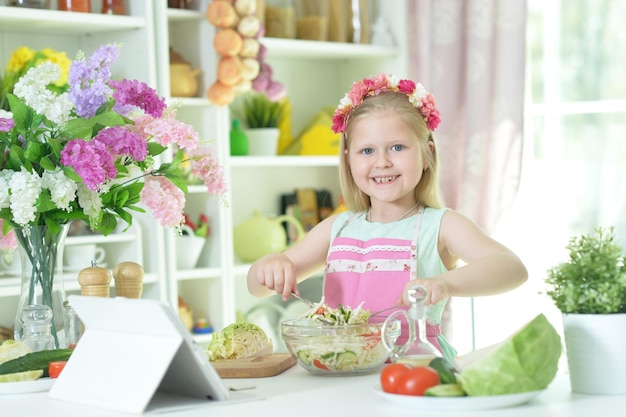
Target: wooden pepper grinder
[(95, 281), (128, 279)]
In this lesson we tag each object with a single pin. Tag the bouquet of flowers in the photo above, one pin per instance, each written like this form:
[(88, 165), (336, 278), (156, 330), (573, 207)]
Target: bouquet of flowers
[(89, 153)]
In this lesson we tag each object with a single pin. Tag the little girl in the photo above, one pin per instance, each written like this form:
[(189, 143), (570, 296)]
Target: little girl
[(397, 232)]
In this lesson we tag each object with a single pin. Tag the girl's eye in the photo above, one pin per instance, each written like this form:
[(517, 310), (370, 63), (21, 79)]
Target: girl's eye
[(397, 147), (367, 151)]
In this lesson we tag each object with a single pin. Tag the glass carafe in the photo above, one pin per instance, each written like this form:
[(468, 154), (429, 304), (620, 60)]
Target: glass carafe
[(417, 350)]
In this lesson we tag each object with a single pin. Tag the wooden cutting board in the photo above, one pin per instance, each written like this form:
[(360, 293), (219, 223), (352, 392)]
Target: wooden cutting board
[(259, 367)]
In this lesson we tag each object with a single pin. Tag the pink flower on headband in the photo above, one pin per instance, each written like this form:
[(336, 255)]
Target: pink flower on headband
[(422, 100)]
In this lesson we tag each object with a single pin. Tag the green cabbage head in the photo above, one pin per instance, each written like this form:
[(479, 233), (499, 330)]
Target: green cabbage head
[(239, 340), (526, 361)]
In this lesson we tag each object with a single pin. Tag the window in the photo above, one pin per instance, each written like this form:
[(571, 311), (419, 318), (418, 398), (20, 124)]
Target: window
[(574, 168)]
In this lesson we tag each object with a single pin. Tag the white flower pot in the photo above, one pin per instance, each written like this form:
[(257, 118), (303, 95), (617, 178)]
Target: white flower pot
[(595, 346), (263, 141), (188, 250)]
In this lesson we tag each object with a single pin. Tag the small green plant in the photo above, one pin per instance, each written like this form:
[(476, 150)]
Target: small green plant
[(593, 280), (258, 111)]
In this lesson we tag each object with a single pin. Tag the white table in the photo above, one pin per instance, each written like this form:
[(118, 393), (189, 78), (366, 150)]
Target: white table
[(297, 393)]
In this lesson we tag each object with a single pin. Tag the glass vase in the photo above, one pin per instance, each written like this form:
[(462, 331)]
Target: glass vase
[(41, 255)]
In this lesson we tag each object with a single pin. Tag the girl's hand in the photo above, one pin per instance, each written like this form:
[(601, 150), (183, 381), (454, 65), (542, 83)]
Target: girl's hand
[(436, 290), (276, 272)]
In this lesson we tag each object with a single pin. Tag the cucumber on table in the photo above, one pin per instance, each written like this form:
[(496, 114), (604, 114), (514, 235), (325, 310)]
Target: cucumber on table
[(35, 361)]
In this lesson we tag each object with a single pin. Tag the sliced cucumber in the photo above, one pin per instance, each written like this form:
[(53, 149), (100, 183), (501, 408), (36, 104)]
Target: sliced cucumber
[(22, 376), (346, 360), (305, 357), (445, 390), (445, 370)]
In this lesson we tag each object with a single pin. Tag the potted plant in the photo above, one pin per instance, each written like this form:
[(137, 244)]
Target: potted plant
[(261, 117), (590, 291)]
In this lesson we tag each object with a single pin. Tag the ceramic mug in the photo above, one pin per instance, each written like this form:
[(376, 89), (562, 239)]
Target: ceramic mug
[(78, 257)]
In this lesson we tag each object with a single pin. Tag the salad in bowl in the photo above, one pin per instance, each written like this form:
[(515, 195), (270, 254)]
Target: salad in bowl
[(335, 341)]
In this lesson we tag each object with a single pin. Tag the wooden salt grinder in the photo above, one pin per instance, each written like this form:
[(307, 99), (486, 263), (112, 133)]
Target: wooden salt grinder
[(95, 281), (128, 279)]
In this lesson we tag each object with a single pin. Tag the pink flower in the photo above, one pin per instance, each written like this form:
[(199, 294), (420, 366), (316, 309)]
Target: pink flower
[(139, 94), (91, 160), (8, 242), (121, 141), (167, 130), (406, 86), (166, 200), (205, 165), (433, 120)]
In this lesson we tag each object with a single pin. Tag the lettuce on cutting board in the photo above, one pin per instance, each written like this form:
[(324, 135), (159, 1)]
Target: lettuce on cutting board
[(525, 361), (239, 340)]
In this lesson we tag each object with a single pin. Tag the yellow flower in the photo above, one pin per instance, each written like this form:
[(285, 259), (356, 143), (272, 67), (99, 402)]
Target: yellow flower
[(19, 59)]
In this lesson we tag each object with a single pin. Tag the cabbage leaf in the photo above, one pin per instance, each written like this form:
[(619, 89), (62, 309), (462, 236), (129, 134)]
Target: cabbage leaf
[(239, 340), (525, 361)]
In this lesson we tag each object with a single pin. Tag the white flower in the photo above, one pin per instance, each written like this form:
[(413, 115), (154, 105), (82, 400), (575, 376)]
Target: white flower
[(89, 201), (25, 189), (4, 188), (393, 81), (345, 102), (32, 89), (62, 189), (5, 114)]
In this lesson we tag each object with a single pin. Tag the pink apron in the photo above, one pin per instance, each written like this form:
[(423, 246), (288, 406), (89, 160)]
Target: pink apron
[(374, 271)]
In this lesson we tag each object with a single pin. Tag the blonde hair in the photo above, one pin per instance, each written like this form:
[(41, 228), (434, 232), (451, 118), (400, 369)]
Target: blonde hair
[(427, 191)]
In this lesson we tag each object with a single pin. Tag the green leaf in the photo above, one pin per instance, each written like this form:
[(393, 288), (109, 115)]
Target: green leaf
[(34, 151), (155, 148)]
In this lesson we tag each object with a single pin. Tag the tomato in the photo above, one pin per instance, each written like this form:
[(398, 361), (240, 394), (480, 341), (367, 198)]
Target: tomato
[(417, 380), (55, 368), (320, 365), (390, 376)]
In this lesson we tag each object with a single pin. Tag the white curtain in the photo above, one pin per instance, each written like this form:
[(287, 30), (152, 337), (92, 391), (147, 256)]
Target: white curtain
[(471, 56)]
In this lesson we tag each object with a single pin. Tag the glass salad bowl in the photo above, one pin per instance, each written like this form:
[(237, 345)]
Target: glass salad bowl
[(335, 349)]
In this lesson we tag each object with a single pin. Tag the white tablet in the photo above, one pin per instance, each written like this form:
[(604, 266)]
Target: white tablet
[(130, 350)]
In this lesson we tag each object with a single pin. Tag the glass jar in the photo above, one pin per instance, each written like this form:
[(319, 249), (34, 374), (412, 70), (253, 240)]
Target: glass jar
[(113, 7), (338, 20), (359, 21), (82, 6), (312, 21), (37, 325), (280, 19), (33, 4)]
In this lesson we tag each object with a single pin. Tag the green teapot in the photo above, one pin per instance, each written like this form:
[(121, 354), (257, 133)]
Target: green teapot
[(259, 236)]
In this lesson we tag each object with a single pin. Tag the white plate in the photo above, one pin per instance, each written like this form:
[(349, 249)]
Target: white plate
[(458, 403), (23, 387)]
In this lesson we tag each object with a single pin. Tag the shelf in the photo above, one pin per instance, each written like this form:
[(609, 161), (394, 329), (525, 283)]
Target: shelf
[(49, 22), (10, 286), (295, 48), (283, 161), (112, 238)]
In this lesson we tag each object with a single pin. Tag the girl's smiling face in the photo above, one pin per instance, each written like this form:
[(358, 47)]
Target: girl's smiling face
[(385, 158)]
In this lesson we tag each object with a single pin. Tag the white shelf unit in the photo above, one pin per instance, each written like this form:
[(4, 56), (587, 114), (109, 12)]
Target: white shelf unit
[(70, 32), (316, 74)]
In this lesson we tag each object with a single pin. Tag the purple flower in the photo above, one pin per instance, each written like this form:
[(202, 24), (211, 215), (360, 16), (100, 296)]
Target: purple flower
[(88, 80), (6, 125)]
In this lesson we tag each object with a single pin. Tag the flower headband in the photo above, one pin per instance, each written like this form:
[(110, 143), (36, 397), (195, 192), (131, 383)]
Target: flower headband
[(418, 96)]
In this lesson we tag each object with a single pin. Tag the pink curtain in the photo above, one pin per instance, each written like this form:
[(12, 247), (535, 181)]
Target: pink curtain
[(471, 56)]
